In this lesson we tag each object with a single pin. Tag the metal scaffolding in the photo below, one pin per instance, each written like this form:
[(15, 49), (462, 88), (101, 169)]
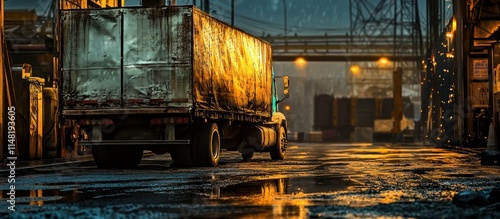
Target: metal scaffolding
[(378, 28), (393, 23)]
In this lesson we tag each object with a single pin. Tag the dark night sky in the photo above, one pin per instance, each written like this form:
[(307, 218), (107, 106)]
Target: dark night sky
[(260, 17), (304, 17)]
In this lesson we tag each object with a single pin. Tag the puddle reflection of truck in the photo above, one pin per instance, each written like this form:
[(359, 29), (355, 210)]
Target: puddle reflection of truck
[(168, 79)]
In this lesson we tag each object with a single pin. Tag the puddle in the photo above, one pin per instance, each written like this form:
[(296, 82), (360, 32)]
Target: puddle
[(286, 190), (260, 192), (41, 197), (321, 184), (57, 196)]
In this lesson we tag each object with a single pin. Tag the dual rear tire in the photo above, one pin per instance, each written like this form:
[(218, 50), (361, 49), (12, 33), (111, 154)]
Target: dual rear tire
[(204, 149)]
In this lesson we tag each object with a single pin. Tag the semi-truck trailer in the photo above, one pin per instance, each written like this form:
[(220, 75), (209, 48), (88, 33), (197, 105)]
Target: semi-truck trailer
[(168, 79)]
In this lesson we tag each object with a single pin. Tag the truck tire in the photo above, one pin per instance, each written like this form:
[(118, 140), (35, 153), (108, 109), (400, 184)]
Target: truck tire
[(101, 157), (278, 151), (182, 156), (207, 146), (116, 156), (128, 157)]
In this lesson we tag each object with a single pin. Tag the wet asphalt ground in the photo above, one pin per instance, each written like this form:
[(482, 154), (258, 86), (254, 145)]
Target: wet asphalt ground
[(316, 180)]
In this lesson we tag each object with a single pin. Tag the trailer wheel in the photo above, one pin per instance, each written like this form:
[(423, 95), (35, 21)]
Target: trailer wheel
[(278, 151), (116, 156), (181, 156), (101, 157), (208, 146), (128, 157)]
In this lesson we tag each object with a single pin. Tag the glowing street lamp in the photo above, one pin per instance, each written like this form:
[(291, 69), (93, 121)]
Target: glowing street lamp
[(300, 62), (355, 69), (383, 61)]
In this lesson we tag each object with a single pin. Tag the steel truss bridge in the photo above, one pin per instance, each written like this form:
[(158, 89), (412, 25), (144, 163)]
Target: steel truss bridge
[(340, 48), (379, 28)]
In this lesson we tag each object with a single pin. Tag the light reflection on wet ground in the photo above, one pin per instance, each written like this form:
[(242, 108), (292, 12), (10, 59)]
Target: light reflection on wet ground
[(315, 180)]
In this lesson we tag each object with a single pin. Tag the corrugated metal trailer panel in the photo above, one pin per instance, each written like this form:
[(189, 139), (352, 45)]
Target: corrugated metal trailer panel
[(157, 56), (91, 57), (172, 57), (156, 49)]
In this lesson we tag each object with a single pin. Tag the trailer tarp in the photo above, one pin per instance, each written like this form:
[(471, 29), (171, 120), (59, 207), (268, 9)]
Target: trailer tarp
[(162, 57)]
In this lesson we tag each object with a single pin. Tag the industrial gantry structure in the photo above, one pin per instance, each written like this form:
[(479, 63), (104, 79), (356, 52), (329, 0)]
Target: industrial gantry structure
[(389, 29)]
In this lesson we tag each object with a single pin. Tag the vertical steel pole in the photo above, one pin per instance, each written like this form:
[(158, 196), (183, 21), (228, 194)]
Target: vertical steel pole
[(232, 12), (206, 6), (398, 100), (285, 17)]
